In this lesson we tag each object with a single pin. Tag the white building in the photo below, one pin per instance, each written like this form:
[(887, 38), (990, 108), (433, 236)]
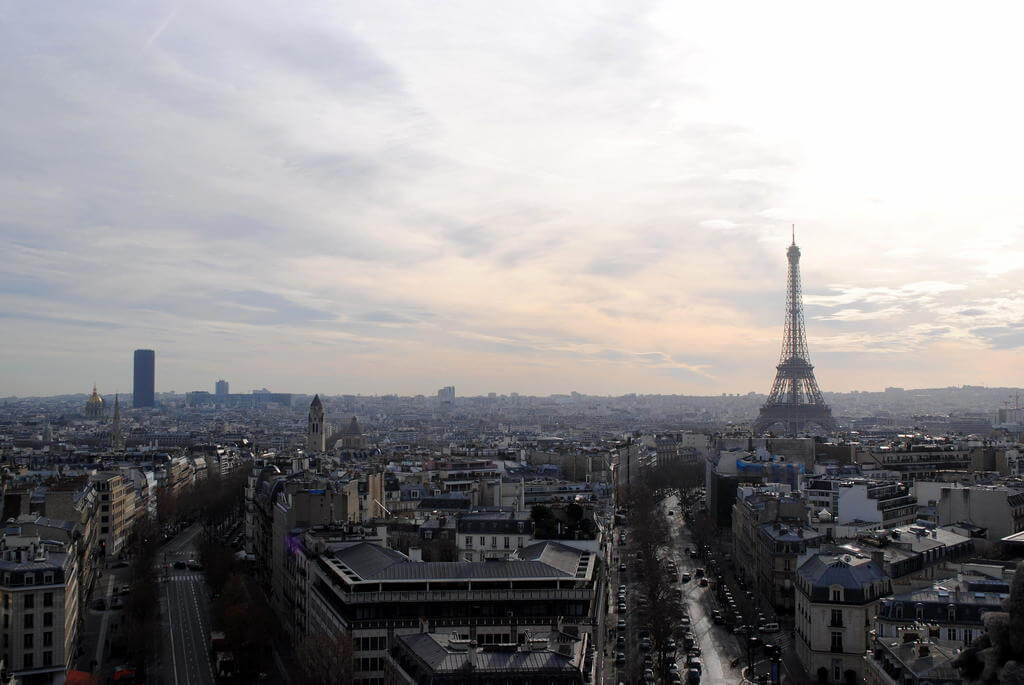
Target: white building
[(836, 600)]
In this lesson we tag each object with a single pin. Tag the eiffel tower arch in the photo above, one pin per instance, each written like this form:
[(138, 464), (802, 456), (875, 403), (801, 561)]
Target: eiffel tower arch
[(795, 401)]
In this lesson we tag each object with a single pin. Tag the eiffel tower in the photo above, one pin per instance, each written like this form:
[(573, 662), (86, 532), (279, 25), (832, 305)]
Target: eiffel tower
[(795, 401)]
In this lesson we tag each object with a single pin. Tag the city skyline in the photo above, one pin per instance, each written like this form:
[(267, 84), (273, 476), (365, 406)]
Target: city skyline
[(540, 200)]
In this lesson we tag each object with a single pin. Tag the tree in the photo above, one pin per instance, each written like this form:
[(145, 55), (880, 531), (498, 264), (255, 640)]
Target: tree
[(326, 658)]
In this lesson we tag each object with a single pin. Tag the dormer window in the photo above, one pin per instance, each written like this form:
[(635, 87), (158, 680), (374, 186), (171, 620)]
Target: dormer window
[(837, 594)]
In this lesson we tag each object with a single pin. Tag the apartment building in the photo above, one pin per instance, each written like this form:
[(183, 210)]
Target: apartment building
[(998, 508), (913, 658), (487, 535), (39, 606), (836, 600), (915, 461), (770, 534), (951, 608), (113, 502)]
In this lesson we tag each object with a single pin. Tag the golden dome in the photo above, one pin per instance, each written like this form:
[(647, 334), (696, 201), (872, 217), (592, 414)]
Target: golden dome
[(94, 405)]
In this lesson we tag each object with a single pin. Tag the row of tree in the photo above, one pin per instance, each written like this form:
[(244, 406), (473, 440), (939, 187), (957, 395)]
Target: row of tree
[(651, 539)]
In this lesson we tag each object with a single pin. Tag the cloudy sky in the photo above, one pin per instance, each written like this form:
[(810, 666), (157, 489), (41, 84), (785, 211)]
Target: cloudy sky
[(373, 197)]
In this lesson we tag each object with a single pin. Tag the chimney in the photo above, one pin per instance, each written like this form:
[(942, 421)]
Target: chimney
[(415, 554), (935, 534), (878, 556)]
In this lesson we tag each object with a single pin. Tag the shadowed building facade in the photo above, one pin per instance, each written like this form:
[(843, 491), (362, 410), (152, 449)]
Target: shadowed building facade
[(144, 379)]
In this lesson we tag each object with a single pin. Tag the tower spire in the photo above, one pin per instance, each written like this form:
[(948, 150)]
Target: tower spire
[(795, 399)]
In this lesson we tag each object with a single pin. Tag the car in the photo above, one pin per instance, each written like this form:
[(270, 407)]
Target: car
[(620, 658), (179, 564), (699, 573), (694, 662), (673, 667), (692, 676), (620, 642), (649, 674), (645, 644), (621, 625), (670, 645), (684, 578), (717, 618), (622, 568), (685, 622), (621, 607), (703, 582), (622, 588), (694, 651), (673, 679), (770, 627), (648, 661)]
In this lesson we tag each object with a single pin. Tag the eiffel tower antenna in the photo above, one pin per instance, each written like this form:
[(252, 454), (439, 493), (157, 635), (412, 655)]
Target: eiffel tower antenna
[(795, 401)]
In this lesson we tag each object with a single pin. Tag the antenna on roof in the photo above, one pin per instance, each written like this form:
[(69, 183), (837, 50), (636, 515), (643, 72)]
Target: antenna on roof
[(793, 226)]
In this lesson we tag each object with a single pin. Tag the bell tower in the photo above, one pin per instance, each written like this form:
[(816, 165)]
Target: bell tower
[(316, 437)]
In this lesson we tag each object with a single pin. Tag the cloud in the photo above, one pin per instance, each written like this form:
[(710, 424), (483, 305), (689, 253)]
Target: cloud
[(380, 198)]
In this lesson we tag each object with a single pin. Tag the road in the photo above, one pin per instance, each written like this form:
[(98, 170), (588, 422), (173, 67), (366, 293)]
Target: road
[(185, 613), (718, 646)]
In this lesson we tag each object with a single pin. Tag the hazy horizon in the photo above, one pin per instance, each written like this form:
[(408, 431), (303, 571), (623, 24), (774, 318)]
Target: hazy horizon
[(396, 197)]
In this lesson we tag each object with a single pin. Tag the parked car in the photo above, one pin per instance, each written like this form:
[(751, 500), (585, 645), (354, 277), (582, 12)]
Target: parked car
[(703, 582), (685, 578), (770, 627), (621, 625), (693, 676), (620, 658)]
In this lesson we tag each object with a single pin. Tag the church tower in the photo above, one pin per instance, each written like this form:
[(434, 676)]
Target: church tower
[(316, 435), (116, 441)]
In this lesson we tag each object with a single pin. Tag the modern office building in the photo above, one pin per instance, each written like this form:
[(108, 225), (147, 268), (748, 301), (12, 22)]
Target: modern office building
[(144, 384), (221, 388)]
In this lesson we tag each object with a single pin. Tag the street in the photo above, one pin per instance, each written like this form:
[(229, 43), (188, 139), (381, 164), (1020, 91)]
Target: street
[(185, 615), (718, 647)]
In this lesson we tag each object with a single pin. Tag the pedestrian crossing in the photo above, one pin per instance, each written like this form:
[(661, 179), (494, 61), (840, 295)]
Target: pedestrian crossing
[(186, 577)]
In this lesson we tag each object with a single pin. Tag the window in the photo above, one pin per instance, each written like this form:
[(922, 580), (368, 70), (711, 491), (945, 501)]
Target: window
[(837, 642), (837, 595), (30, 579), (483, 541), (494, 541), (48, 599), (28, 661), (506, 542), (47, 658), (469, 541), (48, 619), (104, 519), (48, 579), (28, 641), (47, 639), (950, 633), (837, 617), (29, 621), (104, 529), (30, 599)]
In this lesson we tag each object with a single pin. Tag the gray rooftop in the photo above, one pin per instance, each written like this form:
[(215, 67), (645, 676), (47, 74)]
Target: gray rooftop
[(434, 651), (366, 561)]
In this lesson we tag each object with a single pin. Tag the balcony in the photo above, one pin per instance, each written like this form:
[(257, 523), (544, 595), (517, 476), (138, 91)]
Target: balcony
[(462, 596)]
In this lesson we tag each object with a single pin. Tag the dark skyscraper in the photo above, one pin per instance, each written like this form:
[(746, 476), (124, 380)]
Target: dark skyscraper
[(145, 379)]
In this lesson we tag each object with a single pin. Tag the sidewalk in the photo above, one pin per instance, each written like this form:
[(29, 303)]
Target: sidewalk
[(99, 628)]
